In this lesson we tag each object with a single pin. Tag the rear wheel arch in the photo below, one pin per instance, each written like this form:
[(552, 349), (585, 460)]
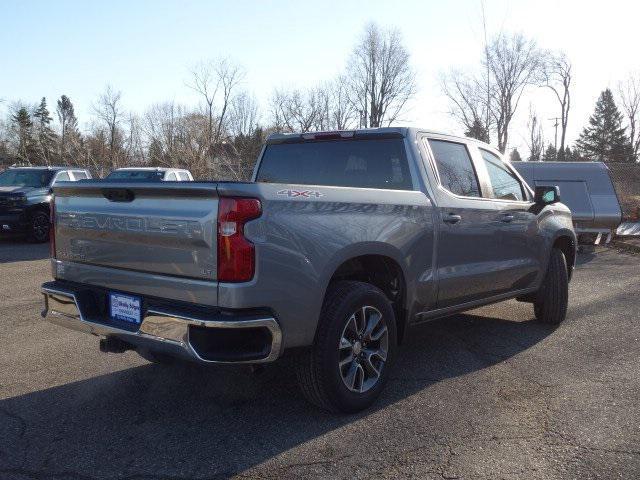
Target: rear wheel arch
[(381, 270)]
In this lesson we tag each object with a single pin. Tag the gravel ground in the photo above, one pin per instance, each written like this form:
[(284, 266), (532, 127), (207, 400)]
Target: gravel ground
[(486, 394)]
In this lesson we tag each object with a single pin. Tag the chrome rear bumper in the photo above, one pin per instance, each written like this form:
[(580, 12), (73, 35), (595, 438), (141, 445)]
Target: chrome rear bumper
[(160, 330)]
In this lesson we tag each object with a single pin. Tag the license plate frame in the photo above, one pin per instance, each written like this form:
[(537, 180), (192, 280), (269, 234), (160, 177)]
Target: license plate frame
[(125, 308)]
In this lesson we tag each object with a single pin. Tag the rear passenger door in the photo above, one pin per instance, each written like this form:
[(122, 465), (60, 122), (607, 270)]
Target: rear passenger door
[(467, 269), (516, 227)]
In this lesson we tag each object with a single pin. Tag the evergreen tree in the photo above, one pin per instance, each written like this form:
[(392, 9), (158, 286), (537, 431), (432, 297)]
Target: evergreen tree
[(478, 131), (23, 127), (515, 155), (69, 134), (550, 154), (604, 139), (46, 138)]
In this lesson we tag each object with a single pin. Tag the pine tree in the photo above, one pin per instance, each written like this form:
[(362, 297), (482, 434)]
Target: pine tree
[(604, 139), (515, 156), (46, 138), (23, 127), (69, 134), (550, 154), (478, 131)]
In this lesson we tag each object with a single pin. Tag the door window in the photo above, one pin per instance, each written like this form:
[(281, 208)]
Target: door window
[(455, 168), (62, 177), (504, 184), (80, 175)]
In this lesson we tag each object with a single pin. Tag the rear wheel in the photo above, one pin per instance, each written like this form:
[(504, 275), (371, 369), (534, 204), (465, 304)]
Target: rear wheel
[(39, 227), (550, 305), (347, 367)]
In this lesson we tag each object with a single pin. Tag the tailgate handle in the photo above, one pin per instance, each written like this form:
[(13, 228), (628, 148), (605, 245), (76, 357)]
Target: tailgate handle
[(118, 194)]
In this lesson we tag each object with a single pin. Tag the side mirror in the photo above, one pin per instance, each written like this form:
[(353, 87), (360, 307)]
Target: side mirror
[(546, 195)]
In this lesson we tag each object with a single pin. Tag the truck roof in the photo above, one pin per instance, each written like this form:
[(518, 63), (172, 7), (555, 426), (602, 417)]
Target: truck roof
[(383, 132)]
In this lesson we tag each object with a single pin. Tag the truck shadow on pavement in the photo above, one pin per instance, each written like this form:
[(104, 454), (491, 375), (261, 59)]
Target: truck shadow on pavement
[(186, 421), (17, 249)]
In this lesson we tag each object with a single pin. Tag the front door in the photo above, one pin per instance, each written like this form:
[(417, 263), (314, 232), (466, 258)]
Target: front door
[(516, 225)]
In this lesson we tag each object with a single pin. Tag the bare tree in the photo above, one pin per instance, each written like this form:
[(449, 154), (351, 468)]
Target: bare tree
[(557, 77), (295, 110), (108, 110), (514, 63), (230, 75), (336, 110), (381, 78), (629, 92), (162, 127), (467, 97), (243, 115), (216, 81), (535, 142)]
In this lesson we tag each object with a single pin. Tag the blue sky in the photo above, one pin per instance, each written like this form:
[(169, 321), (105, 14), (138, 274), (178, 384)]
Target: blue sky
[(145, 48)]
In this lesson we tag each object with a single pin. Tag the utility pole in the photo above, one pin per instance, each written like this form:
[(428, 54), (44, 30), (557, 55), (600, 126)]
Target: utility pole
[(555, 140), (486, 55)]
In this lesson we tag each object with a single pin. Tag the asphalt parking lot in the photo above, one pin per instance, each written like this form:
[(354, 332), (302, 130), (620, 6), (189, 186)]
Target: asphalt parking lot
[(487, 394)]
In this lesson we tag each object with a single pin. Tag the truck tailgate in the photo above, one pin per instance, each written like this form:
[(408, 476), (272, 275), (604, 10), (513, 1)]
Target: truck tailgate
[(167, 229)]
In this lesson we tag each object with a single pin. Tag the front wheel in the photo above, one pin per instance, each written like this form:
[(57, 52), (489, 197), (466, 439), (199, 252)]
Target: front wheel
[(347, 367), (550, 305), (39, 227)]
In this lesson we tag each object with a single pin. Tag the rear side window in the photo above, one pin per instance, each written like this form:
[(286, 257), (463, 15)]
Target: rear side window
[(371, 163), (79, 175), (504, 183), (455, 168), (63, 177)]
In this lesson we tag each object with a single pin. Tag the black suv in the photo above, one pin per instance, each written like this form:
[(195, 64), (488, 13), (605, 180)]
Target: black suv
[(25, 194)]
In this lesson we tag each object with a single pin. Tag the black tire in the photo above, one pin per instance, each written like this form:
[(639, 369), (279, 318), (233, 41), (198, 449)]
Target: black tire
[(156, 357), (550, 305), (38, 229), (318, 371)]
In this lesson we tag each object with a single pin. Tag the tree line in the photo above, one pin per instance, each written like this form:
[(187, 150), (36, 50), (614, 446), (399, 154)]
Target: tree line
[(485, 99), (222, 138)]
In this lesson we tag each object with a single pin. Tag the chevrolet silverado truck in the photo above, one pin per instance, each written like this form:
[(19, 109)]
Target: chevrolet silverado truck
[(25, 195), (340, 244)]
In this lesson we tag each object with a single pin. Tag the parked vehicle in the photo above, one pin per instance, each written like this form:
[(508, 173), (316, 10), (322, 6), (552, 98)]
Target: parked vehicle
[(25, 194), (340, 244), (587, 190), (150, 174)]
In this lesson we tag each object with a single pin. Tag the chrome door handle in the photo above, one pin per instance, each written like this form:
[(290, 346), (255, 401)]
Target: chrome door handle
[(507, 217), (451, 218)]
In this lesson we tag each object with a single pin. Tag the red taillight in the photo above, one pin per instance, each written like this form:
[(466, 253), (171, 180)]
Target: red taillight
[(52, 228), (236, 254)]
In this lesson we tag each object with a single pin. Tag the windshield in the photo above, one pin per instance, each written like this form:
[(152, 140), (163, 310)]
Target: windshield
[(150, 175), (25, 178)]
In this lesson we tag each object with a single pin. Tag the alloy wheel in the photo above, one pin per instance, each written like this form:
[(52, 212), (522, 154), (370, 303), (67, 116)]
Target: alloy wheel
[(363, 349)]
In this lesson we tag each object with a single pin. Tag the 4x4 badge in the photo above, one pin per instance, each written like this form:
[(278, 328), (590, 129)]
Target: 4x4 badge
[(300, 193)]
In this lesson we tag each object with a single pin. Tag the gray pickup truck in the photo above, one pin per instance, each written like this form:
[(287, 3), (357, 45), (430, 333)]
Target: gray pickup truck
[(342, 242)]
